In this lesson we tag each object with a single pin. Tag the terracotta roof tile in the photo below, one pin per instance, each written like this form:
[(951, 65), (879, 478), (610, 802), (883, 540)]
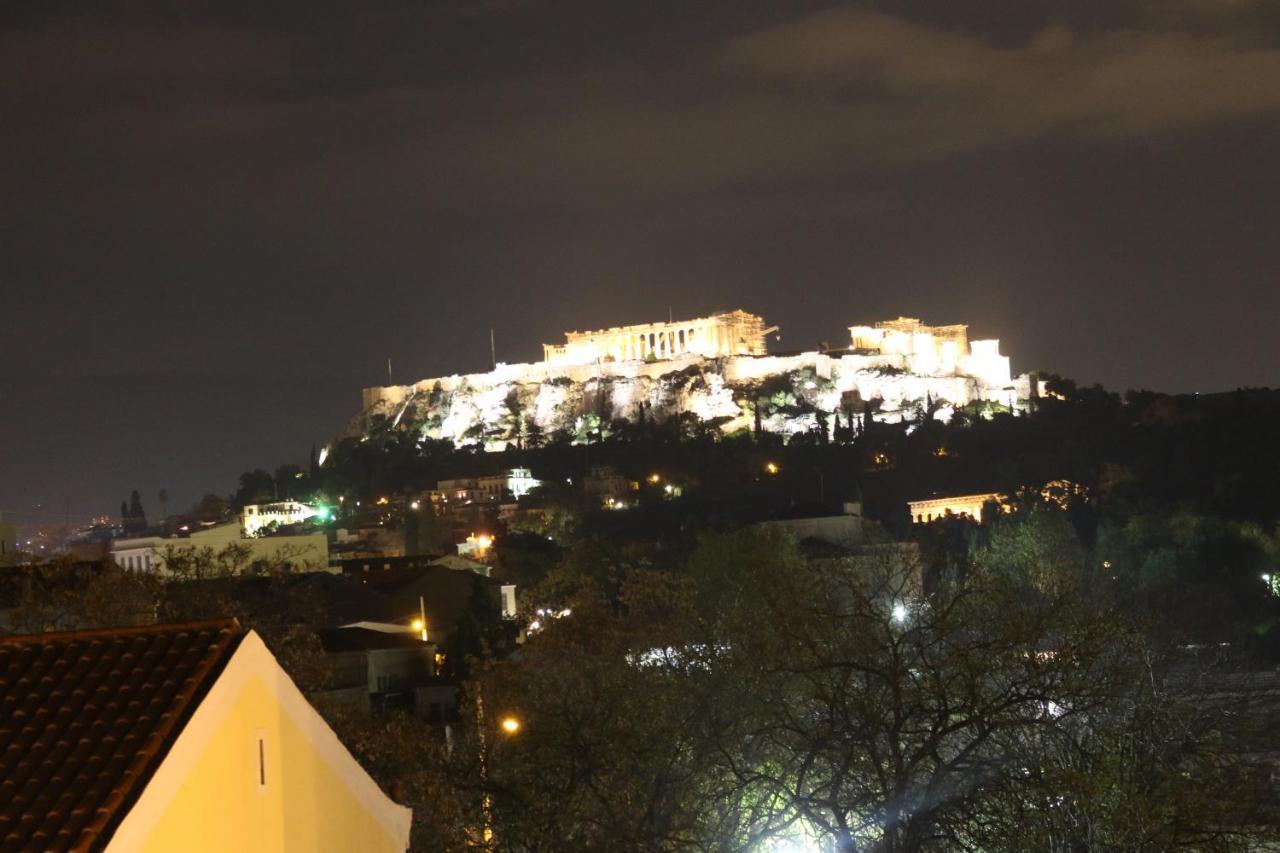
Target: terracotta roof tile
[(85, 719)]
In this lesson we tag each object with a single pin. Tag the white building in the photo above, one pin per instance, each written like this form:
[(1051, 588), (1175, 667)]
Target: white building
[(724, 334), (309, 553), (958, 506), (493, 488), (935, 350), (280, 513)]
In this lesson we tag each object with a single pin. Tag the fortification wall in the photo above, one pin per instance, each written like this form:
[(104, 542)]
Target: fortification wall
[(792, 392)]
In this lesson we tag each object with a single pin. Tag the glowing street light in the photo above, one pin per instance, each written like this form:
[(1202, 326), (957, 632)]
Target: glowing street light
[(771, 467), (414, 505), (899, 612), (655, 479), (510, 724)]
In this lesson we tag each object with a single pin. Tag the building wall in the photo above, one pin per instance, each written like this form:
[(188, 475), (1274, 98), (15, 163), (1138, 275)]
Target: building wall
[(219, 790), (835, 529), (971, 506), (305, 553)]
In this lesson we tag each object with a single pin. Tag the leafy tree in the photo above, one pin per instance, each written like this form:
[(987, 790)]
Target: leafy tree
[(767, 697), (286, 481), (256, 486), (64, 595), (611, 753), (888, 722)]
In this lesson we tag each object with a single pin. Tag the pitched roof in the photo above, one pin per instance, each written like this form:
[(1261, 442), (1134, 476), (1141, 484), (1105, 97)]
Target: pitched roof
[(86, 717)]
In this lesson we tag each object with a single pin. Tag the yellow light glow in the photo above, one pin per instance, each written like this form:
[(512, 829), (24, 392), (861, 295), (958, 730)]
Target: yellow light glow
[(417, 624), (510, 725), (414, 505), (383, 501), (771, 467), (654, 478), (483, 541)]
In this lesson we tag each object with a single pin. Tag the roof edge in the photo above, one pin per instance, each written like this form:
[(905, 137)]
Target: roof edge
[(92, 633)]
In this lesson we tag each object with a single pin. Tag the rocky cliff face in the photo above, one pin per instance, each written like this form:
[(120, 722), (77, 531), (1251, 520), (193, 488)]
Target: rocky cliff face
[(786, 395)]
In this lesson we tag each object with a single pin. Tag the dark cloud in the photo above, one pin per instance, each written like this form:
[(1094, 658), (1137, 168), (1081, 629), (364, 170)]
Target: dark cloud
[(923, 90)]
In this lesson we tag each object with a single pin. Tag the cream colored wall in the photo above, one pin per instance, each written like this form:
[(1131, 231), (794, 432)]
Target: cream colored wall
[(207, 795), (306, 552)]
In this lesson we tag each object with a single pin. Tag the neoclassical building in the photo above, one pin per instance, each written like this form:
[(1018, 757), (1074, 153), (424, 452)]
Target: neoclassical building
[(725, 334)]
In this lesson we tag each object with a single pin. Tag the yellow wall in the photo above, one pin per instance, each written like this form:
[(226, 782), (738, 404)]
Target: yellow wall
[(303, 806)]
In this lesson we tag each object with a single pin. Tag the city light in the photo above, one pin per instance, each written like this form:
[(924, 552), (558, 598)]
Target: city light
[(414, 505), (510, 725), (771, 467), (654, 478), (418, 625), (899, 612)]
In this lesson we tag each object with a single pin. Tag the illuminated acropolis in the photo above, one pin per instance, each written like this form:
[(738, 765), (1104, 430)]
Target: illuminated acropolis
[(726, 334), (934, 350), (712, 368)]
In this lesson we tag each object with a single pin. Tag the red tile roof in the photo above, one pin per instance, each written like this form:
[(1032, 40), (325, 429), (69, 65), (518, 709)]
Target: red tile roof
[(86, 717)]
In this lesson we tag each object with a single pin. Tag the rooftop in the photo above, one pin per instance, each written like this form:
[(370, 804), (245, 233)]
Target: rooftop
[(86, 717)]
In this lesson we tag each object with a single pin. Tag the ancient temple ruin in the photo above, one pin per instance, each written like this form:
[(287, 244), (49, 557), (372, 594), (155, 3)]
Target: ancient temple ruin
[(934, 350), (725, 334), (715, 368)]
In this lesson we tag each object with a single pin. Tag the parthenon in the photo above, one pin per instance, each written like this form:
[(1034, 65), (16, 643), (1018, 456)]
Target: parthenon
[(725, 334)]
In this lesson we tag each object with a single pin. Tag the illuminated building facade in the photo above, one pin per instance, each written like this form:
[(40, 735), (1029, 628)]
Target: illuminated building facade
[(711, 368), (281, 513), (934, 350), (729, 333), (968, 506)]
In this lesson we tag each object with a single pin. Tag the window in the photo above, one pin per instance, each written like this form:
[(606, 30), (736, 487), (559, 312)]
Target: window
[(260, 757)]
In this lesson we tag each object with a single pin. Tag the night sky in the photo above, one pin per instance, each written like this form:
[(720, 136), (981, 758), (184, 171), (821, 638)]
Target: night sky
[(219, 219)]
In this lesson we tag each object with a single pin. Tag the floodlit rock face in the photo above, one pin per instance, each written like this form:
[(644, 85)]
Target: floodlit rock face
[(787, 394)]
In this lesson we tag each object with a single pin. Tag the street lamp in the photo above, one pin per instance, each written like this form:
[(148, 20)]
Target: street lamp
[(510, 724)]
